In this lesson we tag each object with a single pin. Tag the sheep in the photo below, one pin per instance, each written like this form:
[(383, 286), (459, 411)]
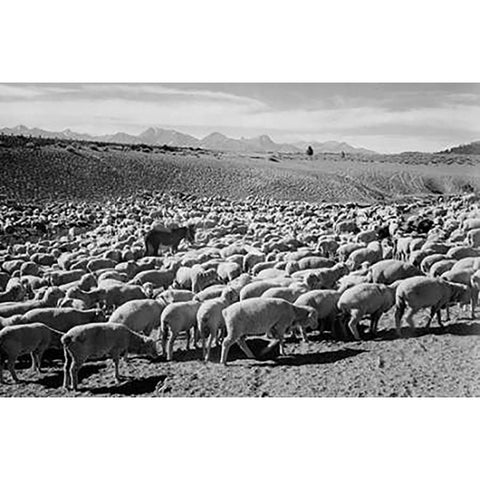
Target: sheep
[(214, 291), (465, 277), (19, 340), (373, 299), (77, 298), (289, 293), (440, 267), (62, 319), (315, 262), (142, 316), (251, 259), (255, 289), (58, 278), (203, 278), (15, 293), (116, 293), (159, 278), (174, 295), (430, 260), (50, 299), (259, 316), (210, 318), (228, 271), (416, 293), (366, 254), (389, 271), (325, 304), (178, 317), (98, 340)]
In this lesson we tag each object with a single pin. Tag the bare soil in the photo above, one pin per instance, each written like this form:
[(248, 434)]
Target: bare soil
[(440, 362)]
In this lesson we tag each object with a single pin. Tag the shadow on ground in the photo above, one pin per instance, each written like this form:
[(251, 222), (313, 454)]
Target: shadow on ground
[(134, 386), (319, 358), (55, 380)]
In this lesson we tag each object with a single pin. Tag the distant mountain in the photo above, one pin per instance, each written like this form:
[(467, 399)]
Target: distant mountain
[(214, 141), (160, 136), (333, 147), (468, 149)]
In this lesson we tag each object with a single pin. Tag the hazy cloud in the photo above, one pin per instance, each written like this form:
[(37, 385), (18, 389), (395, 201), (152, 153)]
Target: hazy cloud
[(383, 117)]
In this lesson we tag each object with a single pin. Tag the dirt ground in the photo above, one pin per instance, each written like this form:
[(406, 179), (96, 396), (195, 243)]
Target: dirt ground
[(440, 362)]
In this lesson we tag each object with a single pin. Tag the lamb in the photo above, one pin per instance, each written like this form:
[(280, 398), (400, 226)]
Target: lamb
[(416, 293), (178, 317), (142, 316), (389, 271), (367, 298), (210, 318), (98, 340), (325, 304), (259, 316), (19, 340)]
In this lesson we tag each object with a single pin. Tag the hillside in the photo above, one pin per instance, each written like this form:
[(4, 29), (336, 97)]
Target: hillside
[(47, 169), (468, 149)]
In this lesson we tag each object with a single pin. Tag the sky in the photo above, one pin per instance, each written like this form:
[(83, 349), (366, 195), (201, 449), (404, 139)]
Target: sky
[(387, 118)]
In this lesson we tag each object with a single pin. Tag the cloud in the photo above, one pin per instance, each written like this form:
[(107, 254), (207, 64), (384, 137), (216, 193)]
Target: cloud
[(386, 119)]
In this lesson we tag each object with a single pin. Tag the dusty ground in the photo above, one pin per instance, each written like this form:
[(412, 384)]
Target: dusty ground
[(438, 363)]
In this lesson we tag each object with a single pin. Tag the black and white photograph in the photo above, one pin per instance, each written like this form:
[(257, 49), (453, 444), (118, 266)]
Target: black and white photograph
[(240, 239)]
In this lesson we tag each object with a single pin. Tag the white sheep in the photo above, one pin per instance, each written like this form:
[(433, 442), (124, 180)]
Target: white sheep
[(210, 318), (260, 316), (98, 340), (178, 317), (416, 293)]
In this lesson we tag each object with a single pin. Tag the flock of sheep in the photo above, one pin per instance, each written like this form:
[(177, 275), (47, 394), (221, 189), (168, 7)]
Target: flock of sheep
[(132, 279)]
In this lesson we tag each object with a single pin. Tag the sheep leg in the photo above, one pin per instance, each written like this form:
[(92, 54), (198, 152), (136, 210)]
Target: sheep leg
[(227, 343), (374, 323), (439, 318), (171, 339), (473, 302), (116, 362), (398, 319), (209, 346), (11, 369), (409, 319), (2, 381), (74, 368), (34, 367), (66, 369), (352, 324), (188, 340), (243, 345)]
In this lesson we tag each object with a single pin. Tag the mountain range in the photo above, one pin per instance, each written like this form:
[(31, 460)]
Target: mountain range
[(214, 141), (472, 148)]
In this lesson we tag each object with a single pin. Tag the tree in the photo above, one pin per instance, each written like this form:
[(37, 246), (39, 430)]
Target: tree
[(309, 151)]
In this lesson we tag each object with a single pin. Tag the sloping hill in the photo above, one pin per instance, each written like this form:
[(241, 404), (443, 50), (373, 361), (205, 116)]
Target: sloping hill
[(46, 169)]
